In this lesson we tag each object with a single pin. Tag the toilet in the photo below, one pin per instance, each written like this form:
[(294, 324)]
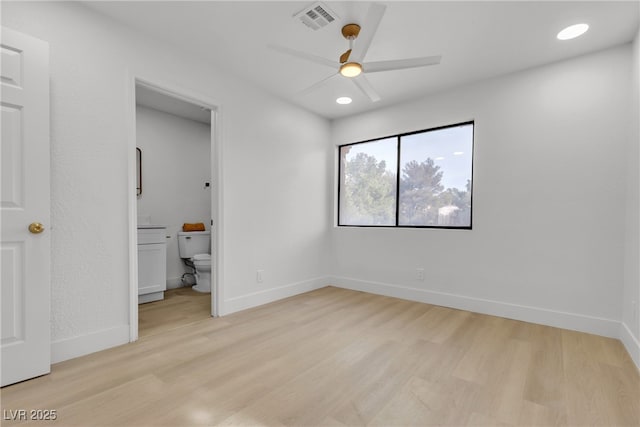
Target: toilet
[(194, 248)]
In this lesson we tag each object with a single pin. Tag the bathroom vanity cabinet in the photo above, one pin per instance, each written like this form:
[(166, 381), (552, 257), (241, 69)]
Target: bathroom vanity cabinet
[(152, 263)]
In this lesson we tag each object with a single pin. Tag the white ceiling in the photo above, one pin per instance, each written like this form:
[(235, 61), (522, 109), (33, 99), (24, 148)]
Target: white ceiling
[(477, 40)]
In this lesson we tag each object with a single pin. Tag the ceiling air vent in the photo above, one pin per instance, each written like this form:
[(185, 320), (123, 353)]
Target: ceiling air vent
[(316, 16)]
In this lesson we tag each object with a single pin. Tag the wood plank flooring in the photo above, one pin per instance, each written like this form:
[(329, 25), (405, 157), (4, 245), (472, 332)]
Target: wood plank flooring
[(180, 307), (335, 357)]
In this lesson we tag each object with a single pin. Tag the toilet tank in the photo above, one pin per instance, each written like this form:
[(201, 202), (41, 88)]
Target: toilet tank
[(191, 243)]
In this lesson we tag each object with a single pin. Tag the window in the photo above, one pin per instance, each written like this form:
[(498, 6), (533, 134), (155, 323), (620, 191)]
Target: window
[(418, 179)]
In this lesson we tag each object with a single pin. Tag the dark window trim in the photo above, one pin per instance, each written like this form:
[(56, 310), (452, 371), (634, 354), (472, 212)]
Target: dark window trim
[(397, 180), (398, 137)]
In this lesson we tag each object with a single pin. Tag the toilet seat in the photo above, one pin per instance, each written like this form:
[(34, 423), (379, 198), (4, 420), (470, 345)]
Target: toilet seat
[(202, 261), (202, 257)]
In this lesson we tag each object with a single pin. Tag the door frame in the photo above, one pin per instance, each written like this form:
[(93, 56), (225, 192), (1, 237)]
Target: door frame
[(217, 211)]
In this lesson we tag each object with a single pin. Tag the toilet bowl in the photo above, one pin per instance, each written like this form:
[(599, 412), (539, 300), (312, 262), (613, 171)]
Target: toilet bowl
[(194, 248), (202, 263)]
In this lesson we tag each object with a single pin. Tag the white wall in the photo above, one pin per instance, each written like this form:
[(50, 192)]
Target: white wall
[(631, 296), (275, 174), (548, 200), (176, 163)]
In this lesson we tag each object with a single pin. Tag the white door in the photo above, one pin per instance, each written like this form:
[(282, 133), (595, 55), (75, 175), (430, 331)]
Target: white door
[(25, 208)]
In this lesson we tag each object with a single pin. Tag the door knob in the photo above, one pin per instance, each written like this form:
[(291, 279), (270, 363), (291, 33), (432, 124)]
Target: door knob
[(36, 228)]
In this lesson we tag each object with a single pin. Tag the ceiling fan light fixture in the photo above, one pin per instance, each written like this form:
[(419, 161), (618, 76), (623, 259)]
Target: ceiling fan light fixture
[(350, 69)]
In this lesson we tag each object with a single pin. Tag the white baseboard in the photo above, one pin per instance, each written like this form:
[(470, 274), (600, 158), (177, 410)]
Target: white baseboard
[(69, 348), (153, 296), (631, 343), (255, 299), (577, 322)]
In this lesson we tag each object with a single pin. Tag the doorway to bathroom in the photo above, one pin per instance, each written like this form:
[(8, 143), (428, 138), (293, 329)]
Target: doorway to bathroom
[(177, 196)]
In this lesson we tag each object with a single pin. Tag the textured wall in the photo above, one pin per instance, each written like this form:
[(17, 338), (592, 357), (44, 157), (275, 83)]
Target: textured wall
[(275, 162), (548, 194)]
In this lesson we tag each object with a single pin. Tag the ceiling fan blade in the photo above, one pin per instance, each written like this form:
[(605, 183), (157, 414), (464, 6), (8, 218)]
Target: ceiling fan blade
[(369, 28), (304, 55), (399, 64), (317, 85), (363, 84)]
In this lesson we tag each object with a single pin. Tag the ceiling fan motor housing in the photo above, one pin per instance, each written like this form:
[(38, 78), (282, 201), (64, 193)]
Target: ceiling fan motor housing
[(351, 31)]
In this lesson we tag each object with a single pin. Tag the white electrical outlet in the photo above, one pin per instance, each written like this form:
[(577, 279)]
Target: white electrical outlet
[(259, 276), (420, 274)]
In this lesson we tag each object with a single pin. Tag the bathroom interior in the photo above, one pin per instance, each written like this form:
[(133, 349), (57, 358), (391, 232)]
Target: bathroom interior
[(173, 164)]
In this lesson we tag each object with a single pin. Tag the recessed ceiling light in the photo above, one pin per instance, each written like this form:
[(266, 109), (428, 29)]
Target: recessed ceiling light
[(458, 153), (343, 100), (440, 158), (572, 31)]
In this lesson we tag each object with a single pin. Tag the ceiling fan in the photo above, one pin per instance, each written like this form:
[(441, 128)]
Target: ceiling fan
[(350, 63)]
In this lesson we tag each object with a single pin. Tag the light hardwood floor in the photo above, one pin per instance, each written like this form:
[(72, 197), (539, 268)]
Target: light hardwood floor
[(336, 357), (180, 307)]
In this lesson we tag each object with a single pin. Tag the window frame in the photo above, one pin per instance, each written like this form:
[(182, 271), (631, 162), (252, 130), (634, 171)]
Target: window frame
[(398, 147)]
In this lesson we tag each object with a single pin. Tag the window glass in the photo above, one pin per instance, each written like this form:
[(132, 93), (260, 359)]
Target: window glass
[(435, 177), (368, 183)]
